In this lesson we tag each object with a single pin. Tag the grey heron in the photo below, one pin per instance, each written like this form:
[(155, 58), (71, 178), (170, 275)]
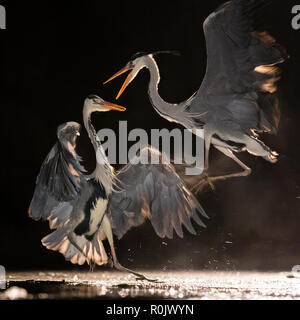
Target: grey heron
[(236, 100), (86, 209)]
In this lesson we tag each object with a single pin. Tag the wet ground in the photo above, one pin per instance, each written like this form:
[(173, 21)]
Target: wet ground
[(171, 285)]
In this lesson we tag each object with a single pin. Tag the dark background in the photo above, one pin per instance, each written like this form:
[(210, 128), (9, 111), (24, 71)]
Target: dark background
[(53, 56)]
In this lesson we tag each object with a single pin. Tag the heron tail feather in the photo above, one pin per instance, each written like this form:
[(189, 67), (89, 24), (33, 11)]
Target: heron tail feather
[(77, 249)]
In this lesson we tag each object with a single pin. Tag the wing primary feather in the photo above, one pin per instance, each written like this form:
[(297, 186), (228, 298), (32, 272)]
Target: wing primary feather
[(158, 194)]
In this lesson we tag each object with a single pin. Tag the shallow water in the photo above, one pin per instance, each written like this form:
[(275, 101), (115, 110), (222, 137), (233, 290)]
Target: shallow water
[(170, 285)]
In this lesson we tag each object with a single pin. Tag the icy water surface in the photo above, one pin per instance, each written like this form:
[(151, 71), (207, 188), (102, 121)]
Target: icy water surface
[(171, 285)]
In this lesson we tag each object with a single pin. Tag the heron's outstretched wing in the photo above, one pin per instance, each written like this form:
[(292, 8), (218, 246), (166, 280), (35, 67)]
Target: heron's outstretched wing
[(59, 181), (240, 61), (154, 192)]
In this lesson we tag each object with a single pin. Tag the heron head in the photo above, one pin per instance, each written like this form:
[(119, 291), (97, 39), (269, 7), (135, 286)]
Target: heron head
[(94, 103), (138, 61), (134, 66), (69, 132)]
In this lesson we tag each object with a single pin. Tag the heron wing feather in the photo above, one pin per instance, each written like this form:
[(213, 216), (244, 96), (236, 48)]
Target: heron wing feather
[(241, 65), (59, 181), (154, 192)]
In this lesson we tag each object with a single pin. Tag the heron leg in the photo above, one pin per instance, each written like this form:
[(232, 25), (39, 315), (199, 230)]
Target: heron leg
[(253, 146), (119, 267), (230, 154), (210, 180), (207, 142), (258, 148), (108, 231)]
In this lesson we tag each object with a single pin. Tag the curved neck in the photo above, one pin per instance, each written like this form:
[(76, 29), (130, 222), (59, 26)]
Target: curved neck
[(173, 112), (104, 172), (158, 102)]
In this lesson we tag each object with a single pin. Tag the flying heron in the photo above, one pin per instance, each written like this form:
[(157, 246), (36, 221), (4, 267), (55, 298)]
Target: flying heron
[(87, 209), (236, 100)]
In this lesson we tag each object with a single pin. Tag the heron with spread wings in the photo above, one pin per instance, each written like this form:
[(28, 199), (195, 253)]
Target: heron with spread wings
[(86, 209), (236, 100)]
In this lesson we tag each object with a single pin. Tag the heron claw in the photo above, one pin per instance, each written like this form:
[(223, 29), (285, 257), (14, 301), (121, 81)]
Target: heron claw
[(204, 181), (137, 275), (272, 157), (142, 278), (209, 181)]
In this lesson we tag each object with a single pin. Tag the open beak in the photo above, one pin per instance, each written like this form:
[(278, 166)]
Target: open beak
[(113, 106), (126, 82)]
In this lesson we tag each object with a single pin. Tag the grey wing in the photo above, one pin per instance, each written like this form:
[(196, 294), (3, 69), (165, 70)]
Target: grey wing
[(59, 181), (239, 61), (154, 192)]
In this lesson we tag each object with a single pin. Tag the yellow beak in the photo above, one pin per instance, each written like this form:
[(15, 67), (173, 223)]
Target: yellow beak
[(125, 82), (113, 106)]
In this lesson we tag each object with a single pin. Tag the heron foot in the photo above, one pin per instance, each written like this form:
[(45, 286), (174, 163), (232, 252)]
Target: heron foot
[(138, 276), (272, 157), (209, 181), (204, 181), (142, 277)]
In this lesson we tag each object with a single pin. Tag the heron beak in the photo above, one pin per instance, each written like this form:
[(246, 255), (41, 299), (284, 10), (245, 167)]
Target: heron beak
[(126, 82), (113, 106)]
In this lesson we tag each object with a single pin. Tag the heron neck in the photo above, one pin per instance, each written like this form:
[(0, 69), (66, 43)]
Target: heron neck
[(173, 112), (158, 102), (91, 130), (104, 172)]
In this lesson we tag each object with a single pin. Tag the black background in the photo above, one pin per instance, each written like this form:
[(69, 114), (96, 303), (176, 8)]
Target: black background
[(54, 55)]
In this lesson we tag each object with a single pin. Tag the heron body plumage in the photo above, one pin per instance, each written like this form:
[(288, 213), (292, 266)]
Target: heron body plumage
[(94, 209)]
